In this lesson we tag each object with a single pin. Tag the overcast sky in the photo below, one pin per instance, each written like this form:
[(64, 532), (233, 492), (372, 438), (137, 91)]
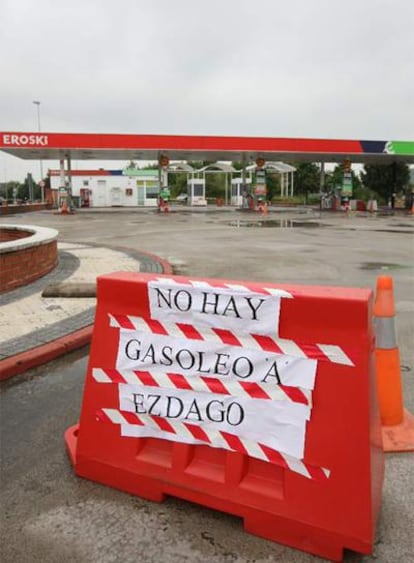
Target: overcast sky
[(295, 68)]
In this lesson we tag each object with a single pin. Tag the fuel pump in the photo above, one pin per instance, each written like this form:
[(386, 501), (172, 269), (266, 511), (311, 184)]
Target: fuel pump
[(260, 187), (164, 194)]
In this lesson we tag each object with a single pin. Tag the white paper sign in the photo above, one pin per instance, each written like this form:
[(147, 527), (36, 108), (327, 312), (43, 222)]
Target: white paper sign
[(145, 351), (233, 309), (281, 424)]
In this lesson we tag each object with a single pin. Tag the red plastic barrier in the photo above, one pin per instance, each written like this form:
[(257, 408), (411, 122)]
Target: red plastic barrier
[(333, 504)]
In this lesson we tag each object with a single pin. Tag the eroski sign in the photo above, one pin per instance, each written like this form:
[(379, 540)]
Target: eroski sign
[(23, 140)]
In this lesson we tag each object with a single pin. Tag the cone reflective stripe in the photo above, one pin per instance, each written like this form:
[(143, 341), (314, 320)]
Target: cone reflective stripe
[(385, 333), (387, 355)]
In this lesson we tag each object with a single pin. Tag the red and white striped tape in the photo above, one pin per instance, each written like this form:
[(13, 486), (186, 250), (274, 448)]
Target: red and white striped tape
[(253, 390), (215, 438), (235, 287), (274, 345)]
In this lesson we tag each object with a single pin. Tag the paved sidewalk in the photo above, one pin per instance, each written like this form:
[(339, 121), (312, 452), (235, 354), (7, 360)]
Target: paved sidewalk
[(34, 329)]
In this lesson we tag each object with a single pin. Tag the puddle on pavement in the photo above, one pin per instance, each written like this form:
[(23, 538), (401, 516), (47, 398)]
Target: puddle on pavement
[(381, 266), (276, 224), (392, 231), (138, 223)]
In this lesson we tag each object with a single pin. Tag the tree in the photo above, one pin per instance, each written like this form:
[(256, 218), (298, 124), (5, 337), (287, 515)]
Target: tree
[(29, 190), (386, 179), (307, 178), (272, 184), (335, 178), (177, 181), (215, 185), (8, 189)]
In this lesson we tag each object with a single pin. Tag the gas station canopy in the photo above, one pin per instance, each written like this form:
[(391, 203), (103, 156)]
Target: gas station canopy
[(96, 146)]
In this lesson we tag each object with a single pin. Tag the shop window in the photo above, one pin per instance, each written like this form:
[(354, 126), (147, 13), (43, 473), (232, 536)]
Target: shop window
[(198, 190), (152, 193)]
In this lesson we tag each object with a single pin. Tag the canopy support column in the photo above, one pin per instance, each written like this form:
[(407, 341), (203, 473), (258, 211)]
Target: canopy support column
[(322, 179), (69, 181), (244, 182), (61, 178)]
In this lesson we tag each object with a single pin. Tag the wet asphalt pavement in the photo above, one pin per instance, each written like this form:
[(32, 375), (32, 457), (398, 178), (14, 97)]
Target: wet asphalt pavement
[(50, 515)]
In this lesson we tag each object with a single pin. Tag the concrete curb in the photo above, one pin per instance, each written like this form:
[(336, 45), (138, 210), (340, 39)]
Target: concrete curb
[(15, 365)]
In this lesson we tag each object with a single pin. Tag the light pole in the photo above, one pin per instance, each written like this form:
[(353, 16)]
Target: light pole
[(37, 103)]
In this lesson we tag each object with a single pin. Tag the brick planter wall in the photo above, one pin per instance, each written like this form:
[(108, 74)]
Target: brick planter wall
[(26, 254), (12, 209), (8, 234)]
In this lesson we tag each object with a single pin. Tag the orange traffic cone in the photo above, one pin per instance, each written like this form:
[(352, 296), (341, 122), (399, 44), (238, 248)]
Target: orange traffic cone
[(64, 209), (397, 422)]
